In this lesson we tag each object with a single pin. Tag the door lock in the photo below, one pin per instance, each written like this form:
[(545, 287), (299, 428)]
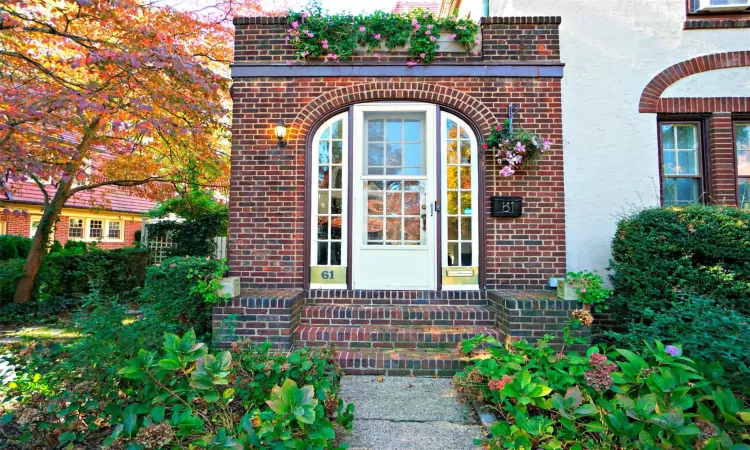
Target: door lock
[(437, 205)]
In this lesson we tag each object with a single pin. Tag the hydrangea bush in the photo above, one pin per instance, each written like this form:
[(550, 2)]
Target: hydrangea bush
[(515, 148), (339, 37), (602, 399)]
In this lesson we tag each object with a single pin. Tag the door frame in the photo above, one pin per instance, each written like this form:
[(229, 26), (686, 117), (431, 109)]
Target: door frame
[(308, 178), (429, 111)]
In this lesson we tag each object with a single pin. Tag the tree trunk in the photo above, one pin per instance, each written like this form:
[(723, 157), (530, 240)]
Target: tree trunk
[(52, 211)]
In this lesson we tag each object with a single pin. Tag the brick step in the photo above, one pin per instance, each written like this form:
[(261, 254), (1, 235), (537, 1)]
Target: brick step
[(396, 315), (382, 337), (394, 298), (400, 362)]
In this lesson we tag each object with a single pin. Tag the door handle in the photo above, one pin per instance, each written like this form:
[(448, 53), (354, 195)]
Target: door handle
[(424, 221), (432, 211)]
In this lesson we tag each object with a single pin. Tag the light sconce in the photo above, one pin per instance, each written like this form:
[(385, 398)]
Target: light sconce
[(280, 130)]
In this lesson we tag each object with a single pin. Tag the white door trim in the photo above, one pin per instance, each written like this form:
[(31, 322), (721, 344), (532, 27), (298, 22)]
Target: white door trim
[(359, 249)]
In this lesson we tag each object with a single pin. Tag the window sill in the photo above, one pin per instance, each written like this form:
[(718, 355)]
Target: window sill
[(715, 23), (103, 241)]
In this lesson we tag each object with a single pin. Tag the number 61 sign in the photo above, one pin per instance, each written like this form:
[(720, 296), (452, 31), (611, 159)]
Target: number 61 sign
[(327, 275)]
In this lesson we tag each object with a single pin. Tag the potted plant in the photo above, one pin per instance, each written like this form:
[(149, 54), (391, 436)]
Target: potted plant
[(515, 147), (585, 286)]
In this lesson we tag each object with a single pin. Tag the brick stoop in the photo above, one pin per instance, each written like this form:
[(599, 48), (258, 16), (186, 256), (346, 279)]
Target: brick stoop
[(395, 332), (400, 362)]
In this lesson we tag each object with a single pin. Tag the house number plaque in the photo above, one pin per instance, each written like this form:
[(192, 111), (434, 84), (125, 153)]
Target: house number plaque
[(328, 275), (506, 206)]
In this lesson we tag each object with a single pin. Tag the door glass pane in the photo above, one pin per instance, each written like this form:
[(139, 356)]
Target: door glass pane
[(394, 143), (742, 138), (400, 221), (331, 185), (459, 184)]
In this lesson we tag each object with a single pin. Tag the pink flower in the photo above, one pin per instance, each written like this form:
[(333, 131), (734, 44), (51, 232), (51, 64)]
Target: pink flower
[(460, 28), (476, 52), (433, 39), (428, 32), (583, 291), (507, 171), (411, 64), (452, 36), (414, 22), (333, 57), (376, 36), (295, 24), (324, 44), (288, 63), (484, 146), (498, 385), (476, 42), (305, 14), (377, 55), (520, 148), (429, 27), (417, 27), (362, 29), (287, 38), (309, 34), (422, 55), (499, 128)]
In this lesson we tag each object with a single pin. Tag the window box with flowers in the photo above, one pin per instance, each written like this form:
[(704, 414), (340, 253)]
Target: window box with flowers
[(515, 148), (418, 33)]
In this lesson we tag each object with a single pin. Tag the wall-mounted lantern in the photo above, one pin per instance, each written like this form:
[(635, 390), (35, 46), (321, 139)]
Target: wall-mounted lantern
[(280, 130)]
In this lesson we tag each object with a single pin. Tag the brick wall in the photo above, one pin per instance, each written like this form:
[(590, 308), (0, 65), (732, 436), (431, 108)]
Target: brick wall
[(18, 225), (267, 207), (263, 39)]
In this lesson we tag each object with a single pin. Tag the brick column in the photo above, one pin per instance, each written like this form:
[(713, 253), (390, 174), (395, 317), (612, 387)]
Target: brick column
[(723, 178)]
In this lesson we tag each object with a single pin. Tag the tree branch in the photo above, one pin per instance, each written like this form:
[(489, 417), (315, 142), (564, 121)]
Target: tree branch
[(41, 188)]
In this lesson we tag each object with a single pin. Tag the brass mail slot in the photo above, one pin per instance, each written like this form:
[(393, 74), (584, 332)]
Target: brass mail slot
[(460, 273)]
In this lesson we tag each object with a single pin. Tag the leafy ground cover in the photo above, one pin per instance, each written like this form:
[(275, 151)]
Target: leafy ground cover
[(127, 381), (604, 398)]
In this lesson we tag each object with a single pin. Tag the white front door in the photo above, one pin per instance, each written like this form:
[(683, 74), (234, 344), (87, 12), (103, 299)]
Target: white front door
[(394, 190)]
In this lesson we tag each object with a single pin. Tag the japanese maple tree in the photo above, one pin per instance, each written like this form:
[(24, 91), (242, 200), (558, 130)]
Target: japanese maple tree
[(110, 93)]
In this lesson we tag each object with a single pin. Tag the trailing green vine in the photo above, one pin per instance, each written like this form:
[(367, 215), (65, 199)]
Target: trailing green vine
[(339, 37)]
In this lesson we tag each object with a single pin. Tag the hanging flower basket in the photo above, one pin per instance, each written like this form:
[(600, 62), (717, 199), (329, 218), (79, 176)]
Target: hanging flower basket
[(515, 148)]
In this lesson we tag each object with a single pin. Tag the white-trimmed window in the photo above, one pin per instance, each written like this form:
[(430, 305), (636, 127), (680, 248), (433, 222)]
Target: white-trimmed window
[(35, 221), (96, 229), (89, 229), (330, 156), (742, 145), (75, 229), (114, 229), (682, 174)]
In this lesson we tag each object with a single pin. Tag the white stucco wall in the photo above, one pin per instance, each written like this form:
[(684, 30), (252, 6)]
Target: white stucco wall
[(732, 82), (612, 49)]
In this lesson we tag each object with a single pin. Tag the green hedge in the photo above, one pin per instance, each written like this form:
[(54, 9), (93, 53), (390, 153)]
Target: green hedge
[(660, 252), (12, 247), (69, 272), (169, 291)]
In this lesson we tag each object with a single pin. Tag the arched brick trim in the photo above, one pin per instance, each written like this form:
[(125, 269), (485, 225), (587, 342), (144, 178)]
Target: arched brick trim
[(474, 110), (652, 93)]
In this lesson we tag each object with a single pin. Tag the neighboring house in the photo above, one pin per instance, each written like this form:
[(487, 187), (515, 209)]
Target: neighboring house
[(655, 105), (107, 216), (405, 6)]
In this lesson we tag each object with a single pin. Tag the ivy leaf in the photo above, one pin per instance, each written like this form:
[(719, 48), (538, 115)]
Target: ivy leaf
[(157, 413), (129, 423)]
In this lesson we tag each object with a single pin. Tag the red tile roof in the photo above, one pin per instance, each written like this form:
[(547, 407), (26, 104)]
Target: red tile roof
[(109, 198), (404, 6)]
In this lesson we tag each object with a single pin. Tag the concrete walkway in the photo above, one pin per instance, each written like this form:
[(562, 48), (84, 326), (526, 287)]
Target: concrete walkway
[(403, 413)]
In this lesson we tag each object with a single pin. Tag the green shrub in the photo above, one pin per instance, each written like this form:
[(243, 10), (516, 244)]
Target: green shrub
[(705, 331), (10, 272), (192, 237), (179, 396), (659, 252), (172, 289), (12, 247), (119, 272), (618, 399)]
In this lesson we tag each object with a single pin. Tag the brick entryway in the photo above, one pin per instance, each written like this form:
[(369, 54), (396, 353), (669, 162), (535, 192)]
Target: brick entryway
[(392, 332)]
